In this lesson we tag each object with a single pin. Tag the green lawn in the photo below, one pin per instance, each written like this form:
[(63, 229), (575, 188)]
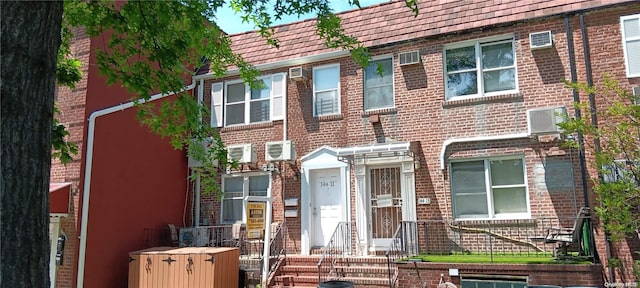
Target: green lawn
[(502, 259)]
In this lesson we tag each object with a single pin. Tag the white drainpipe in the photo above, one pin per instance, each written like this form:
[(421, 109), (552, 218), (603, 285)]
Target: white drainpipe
[(87, 173), (448, 142)]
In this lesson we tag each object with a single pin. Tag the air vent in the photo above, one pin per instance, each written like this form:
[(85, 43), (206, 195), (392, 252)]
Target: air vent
[(243, 153), (280, 151), (409, 58), (205, 145), (636, 95), (540, 40), (297, 74), (545, 120)]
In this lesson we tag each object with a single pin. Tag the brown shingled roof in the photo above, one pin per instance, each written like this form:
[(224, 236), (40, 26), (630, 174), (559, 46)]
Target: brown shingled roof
[(392, 22)]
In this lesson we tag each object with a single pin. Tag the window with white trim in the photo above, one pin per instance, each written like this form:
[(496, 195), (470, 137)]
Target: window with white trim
[(630, 26), (326, 90), (481, 68), (489, 188), (378, 88), (237, 191), (235, 103)]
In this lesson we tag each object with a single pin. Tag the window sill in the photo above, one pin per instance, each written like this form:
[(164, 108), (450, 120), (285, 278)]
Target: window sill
[(247, 126), (329, 117), (382, 111), (482, 100)]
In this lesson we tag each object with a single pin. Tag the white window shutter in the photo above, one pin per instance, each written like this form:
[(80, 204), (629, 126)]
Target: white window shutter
[(216, 104), (278, 96)]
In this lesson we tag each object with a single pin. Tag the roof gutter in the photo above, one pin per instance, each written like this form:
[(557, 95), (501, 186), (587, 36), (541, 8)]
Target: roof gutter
[(283, 63), (87, 171), (448, 142)]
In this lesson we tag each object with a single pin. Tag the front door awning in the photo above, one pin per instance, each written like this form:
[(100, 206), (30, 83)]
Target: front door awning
[(377, 150), (59, 195)]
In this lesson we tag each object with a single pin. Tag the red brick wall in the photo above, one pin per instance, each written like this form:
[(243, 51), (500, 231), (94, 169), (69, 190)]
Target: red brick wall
[(71, 103), (422, 114), (417, 274)]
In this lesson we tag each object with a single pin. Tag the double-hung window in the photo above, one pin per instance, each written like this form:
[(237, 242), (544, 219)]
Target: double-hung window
[(326, 90), (631, 43), (378, 87), (489, 188), (237, 191), (481, 68), (236, 103)]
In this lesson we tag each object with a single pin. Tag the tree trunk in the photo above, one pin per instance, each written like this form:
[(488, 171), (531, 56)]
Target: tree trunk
[(30, 41)]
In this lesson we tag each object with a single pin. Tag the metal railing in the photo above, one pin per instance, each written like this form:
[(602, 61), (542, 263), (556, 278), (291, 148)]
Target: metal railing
[(403, 244), (517, 237), (340, 244)]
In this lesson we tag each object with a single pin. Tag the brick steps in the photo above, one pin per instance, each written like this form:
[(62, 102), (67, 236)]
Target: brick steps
[(302, 271)]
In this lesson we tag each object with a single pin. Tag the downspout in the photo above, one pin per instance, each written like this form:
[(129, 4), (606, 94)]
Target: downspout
[(196, 192), (596, 140), (578, 114), (269, 213), (87, 173)]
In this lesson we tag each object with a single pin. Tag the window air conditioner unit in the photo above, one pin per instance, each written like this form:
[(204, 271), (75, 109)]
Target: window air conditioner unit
[(408, 58), (243, 153), (193, 162), (193, 237), (539, 40), (297, 73), (636, 95), (280, 151), (544, 120)]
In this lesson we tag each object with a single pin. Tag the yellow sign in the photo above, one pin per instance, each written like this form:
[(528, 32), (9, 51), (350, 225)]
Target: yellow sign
[(255, 219)]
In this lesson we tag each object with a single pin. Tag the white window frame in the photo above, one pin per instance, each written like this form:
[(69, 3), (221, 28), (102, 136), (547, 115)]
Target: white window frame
[(489, 189), (478, 43), (273, 98), (393, 83), (337, 89), (625, 40), (245, 194)]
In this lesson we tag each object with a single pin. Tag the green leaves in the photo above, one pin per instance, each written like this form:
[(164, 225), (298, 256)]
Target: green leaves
[(62, 149), (617, 157)]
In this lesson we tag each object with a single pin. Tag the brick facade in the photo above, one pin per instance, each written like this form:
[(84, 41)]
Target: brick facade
[(71, 103)]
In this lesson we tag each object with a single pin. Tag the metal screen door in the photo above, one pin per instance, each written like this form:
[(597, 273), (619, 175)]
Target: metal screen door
[(386, 203)]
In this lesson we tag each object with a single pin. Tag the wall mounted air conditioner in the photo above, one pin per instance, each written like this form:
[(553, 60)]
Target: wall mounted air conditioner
[(544, 120), (280, 151), (539, 40), (409, 58), (205, 144), (193, 237), (243, 153), (636, 95), (297, 74)]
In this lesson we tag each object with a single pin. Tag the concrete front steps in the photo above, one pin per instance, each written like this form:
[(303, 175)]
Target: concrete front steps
[(302, 271)]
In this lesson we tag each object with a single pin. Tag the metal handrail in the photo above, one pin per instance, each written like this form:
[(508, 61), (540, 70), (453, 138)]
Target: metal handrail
[(276, 247), (339, 244), (404, 243)]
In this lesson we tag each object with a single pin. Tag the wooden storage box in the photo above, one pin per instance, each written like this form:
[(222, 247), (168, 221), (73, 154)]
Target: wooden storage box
[(189, 267)]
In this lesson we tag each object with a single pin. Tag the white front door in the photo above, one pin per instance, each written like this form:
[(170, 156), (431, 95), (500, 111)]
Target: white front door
[(54, 228), (327, 204)]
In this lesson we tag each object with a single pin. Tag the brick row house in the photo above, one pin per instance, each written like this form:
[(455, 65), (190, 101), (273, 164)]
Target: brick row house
[(454, 136), (454, 128)]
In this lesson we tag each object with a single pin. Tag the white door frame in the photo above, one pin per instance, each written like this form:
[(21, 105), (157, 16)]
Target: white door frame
[(322, 158), (363, 207)]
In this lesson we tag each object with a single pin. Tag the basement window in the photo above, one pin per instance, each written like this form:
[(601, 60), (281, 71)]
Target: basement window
[(494, 281)]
